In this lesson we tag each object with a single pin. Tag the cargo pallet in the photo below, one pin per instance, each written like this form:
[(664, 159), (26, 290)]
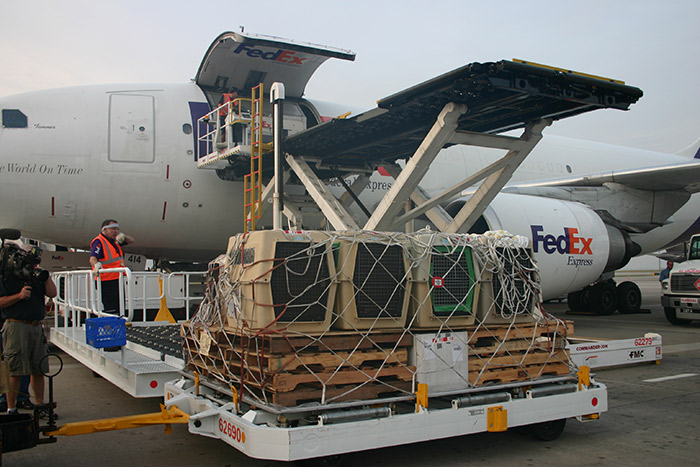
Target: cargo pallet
[(284, 369)]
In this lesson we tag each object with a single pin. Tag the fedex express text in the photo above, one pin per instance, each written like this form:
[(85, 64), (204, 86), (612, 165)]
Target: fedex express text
[(570, 243)]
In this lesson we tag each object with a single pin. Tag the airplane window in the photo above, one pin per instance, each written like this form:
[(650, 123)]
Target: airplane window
[(568, 168), (187, 129), (695, 249), (13, 118)]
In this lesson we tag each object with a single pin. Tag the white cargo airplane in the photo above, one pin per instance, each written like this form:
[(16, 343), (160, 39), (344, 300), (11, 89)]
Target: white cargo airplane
[(71, 157)]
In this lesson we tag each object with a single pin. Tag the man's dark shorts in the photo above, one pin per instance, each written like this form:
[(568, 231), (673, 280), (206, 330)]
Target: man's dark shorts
[(24, 348)]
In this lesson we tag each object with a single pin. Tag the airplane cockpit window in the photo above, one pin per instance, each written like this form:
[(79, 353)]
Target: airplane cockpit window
[(13, 118)]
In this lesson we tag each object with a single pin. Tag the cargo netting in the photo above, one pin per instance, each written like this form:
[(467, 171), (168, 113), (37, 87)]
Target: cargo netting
[(320, 317)]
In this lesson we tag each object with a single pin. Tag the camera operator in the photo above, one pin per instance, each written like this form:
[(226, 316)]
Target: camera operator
[(106, 253), (22, 302)]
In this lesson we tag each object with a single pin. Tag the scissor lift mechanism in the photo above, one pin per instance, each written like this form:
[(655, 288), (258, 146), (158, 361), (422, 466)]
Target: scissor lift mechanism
[(388, 217), (470, 105)]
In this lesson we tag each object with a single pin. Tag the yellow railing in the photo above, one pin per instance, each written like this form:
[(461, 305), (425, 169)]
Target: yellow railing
[(252, 183)]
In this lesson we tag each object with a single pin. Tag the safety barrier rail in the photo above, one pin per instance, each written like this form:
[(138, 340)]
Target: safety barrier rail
[(187, 294), (79, 295), (211, 130)]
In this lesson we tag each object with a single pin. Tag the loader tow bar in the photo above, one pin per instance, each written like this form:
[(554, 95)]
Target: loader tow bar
[(166, 416)]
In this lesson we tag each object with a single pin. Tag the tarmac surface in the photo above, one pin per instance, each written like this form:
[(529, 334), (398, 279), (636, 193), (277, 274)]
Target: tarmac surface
[(648, 422)]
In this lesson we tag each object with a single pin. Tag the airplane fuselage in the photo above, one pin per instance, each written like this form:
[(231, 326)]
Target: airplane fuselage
[(124, 152), (128, 152)]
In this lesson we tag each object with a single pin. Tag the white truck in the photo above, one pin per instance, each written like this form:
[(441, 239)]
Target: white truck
[(681, 291)]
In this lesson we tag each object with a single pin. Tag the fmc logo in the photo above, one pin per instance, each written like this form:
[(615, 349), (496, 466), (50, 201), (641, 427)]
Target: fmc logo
[(284, 56), (569, 243)]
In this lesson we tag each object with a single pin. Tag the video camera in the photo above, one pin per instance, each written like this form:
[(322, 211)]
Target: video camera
[(14, 261)]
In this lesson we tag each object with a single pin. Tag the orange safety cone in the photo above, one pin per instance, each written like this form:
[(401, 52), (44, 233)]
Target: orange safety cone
[(163, 312)]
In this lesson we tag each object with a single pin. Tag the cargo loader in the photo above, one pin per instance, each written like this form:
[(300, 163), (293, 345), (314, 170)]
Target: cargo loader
[(432, 335)]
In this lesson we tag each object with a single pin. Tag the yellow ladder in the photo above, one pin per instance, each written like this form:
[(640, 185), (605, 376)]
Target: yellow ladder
[(252, 183)]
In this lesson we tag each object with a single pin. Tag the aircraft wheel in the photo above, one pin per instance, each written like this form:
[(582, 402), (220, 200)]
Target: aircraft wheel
[(549, 431), (603, 298), (671, 317), (579, 301), (629, 297)]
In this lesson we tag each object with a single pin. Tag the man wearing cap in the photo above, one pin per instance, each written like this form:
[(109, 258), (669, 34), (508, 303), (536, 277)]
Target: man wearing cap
[(106, 253)]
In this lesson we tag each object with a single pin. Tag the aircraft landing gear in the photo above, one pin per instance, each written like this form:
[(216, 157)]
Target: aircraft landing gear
[(629, 297), (604, 298), (578, 301)]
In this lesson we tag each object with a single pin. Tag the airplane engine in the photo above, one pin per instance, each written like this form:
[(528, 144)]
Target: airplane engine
[(571, 243)]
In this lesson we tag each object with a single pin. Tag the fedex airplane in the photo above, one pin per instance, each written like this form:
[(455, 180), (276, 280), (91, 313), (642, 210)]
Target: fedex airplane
[(72, 157)]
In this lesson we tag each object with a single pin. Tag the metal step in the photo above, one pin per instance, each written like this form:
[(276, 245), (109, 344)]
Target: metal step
[(137, 369)]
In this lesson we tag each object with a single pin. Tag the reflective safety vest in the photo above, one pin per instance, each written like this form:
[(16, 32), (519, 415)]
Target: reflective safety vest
[(113, 258), (225, 99)]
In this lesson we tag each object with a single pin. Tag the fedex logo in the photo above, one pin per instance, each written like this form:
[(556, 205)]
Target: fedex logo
[(570, 242), (284, 56)]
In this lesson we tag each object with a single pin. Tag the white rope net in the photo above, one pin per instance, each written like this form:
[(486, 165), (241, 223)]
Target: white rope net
[(322, 317)]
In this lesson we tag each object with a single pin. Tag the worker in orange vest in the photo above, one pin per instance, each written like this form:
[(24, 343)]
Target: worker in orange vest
[(226, 97), (106, 253)]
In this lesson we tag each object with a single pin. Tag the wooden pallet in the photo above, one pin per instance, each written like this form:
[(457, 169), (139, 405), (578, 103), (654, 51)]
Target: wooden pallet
[(509, 361), (484, 336), (288, 369), (325, 361), (303, 360), (368, 391), (513, 346), (511, 375), (284, 382), (278, 343), (210, 371), (503, 354)]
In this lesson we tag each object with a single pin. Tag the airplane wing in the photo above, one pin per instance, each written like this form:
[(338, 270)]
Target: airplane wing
[(674, 177), (635, 201), (500, 96), (243, 61), (676, 253)]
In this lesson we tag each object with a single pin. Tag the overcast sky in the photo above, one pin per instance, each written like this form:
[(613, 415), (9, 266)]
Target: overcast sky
[(654, 45)]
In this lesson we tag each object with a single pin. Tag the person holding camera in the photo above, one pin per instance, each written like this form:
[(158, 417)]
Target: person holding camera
[(106, 253), (22, 301)]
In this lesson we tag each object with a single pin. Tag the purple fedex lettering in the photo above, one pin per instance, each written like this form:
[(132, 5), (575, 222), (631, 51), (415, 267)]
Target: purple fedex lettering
[(284, 56), (569, 243)]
